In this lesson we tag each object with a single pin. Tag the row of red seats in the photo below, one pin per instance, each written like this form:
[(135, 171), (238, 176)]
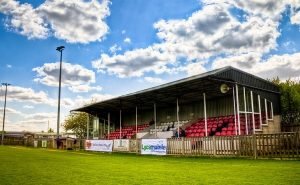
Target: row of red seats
[(223, 125), (230, 129), (127, 132)]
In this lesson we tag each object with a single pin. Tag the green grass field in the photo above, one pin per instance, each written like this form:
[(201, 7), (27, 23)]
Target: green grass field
[(20, 165)]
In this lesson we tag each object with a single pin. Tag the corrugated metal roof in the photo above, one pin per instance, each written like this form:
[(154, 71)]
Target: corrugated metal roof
[(190, 88)]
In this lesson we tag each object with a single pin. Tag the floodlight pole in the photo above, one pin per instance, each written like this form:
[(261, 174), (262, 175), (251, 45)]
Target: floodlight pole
[(59, 49), (5, 84)]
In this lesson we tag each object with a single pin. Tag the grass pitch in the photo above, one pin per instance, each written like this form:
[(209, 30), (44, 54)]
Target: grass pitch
[(20, 165)]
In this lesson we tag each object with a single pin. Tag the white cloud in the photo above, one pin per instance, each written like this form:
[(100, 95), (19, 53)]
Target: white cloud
[(28, 107), (127, 40), (153, 80), (25, 95), (134, 63), (113, 49), (123, 32), (284, 66), (244, 61), (12, 126), (266, 9), (295, 9), (21, 94), (295, 19), (8, 66), (195, 68), (208, 32), (37, 122), (101, 97), (11, 111), (213, 30), (74, 21), (85, 88), (80, 101), (269, 9), (75, 77), (24, 19), (41, 116)]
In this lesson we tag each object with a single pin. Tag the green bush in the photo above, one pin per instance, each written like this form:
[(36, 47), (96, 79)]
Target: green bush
[(290, 101)]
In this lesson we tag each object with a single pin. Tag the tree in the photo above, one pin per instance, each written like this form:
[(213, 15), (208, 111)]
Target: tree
[(290, 100), (50, 130), (76, 122)]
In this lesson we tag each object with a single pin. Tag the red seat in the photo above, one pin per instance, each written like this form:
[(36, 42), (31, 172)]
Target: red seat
[(224, 133), (228, 133)]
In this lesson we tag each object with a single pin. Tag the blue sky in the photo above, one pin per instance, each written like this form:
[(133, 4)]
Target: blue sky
[(116, 47)]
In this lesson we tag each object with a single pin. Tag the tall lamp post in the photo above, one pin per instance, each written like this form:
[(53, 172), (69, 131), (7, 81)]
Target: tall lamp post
[(59, 49), (5, 84)]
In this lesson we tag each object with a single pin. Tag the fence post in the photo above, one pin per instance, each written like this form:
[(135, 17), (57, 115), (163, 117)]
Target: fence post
[(182, 146), (254, 143), (239, 144), (214, 145)]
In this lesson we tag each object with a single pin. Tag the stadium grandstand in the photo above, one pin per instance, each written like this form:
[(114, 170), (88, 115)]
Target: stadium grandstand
[(222, 102)]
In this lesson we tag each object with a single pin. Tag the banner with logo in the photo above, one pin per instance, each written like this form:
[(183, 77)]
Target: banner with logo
[(121, 145), (99, 145), (154, 146)]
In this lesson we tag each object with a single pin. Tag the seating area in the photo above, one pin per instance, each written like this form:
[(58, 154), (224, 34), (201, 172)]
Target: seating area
[(127, 132), (222, 126), (214, 126), (168, 126)]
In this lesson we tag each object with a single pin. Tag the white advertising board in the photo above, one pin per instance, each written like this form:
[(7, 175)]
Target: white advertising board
[(44, 143), (154, 146), (121, 145), (99, 145), (35, 144)]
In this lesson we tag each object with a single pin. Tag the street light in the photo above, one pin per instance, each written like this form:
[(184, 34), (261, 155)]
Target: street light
[(5, 84), (59, 49)]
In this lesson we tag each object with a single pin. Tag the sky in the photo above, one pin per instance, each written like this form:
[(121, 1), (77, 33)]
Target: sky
[(117, 47)]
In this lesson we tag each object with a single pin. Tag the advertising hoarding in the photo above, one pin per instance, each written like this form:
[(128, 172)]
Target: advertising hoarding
[(99, 145), (154, 146)]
